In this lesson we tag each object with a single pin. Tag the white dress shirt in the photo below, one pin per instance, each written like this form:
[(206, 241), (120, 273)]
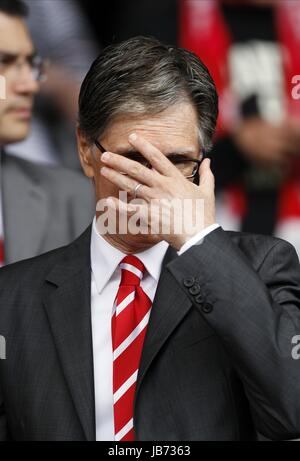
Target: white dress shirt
[(105, 280)]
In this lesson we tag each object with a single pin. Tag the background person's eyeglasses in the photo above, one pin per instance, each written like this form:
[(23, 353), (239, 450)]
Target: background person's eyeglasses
[(11, 63), (188, 167)]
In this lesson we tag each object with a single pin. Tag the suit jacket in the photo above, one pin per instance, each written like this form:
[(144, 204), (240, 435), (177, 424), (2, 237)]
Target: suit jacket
[(43, 207), (216, 362)]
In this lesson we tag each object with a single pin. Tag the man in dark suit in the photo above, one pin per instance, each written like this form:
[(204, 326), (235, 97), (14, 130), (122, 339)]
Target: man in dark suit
[(135, 335), (40, 207)]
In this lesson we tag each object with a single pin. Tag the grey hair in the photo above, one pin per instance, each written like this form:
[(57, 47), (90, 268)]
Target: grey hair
[(142, 76)]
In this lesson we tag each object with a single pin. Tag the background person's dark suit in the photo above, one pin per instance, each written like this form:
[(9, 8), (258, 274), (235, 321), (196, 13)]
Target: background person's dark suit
[(216, 363), (43, 207)]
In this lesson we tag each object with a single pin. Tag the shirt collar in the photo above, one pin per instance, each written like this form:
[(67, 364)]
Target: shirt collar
[(105, 258)]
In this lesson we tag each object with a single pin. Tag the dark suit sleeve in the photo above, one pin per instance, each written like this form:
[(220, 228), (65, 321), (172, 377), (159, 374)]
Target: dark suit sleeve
[(255, 312)]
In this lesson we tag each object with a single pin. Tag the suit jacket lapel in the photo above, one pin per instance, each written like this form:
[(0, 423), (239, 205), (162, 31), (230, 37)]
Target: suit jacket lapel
[(170, 305), (25, 209), (67, 303)]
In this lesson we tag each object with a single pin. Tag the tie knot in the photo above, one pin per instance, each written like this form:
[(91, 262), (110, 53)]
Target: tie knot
[(132, 270)]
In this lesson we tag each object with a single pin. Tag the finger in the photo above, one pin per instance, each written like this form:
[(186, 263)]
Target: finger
[(206, 176), (134, 169), (207, 179), (129, 209), (125, 182), (156, 158), (123, 207)]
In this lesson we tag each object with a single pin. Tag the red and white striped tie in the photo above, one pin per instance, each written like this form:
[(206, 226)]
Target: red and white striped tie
[(129, 324)]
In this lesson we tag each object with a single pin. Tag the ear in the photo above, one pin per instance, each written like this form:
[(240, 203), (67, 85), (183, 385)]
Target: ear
[(85, 154)]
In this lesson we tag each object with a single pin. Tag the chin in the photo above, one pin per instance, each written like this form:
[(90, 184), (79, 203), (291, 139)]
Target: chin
[(143, 240), (16, 136)]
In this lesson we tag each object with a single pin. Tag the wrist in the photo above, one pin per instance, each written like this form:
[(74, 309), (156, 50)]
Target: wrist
[(178, 241)]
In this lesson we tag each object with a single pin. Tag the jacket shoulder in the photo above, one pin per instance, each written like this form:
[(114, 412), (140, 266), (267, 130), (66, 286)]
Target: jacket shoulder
[(30, 268), (46, 175), (25, 272), (258, 246)]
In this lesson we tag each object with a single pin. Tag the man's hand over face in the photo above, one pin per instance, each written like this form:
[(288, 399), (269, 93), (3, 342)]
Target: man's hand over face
[(167, 196)]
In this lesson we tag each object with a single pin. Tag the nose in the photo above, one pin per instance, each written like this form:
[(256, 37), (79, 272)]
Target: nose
[(26, 82)]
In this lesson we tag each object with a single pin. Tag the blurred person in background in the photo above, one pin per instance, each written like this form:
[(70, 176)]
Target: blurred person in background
[(61, 34), (252, 50), (41, 207)]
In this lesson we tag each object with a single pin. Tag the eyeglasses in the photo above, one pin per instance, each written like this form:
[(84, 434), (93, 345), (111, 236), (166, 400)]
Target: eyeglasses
[(11, 63), (188, 167)]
